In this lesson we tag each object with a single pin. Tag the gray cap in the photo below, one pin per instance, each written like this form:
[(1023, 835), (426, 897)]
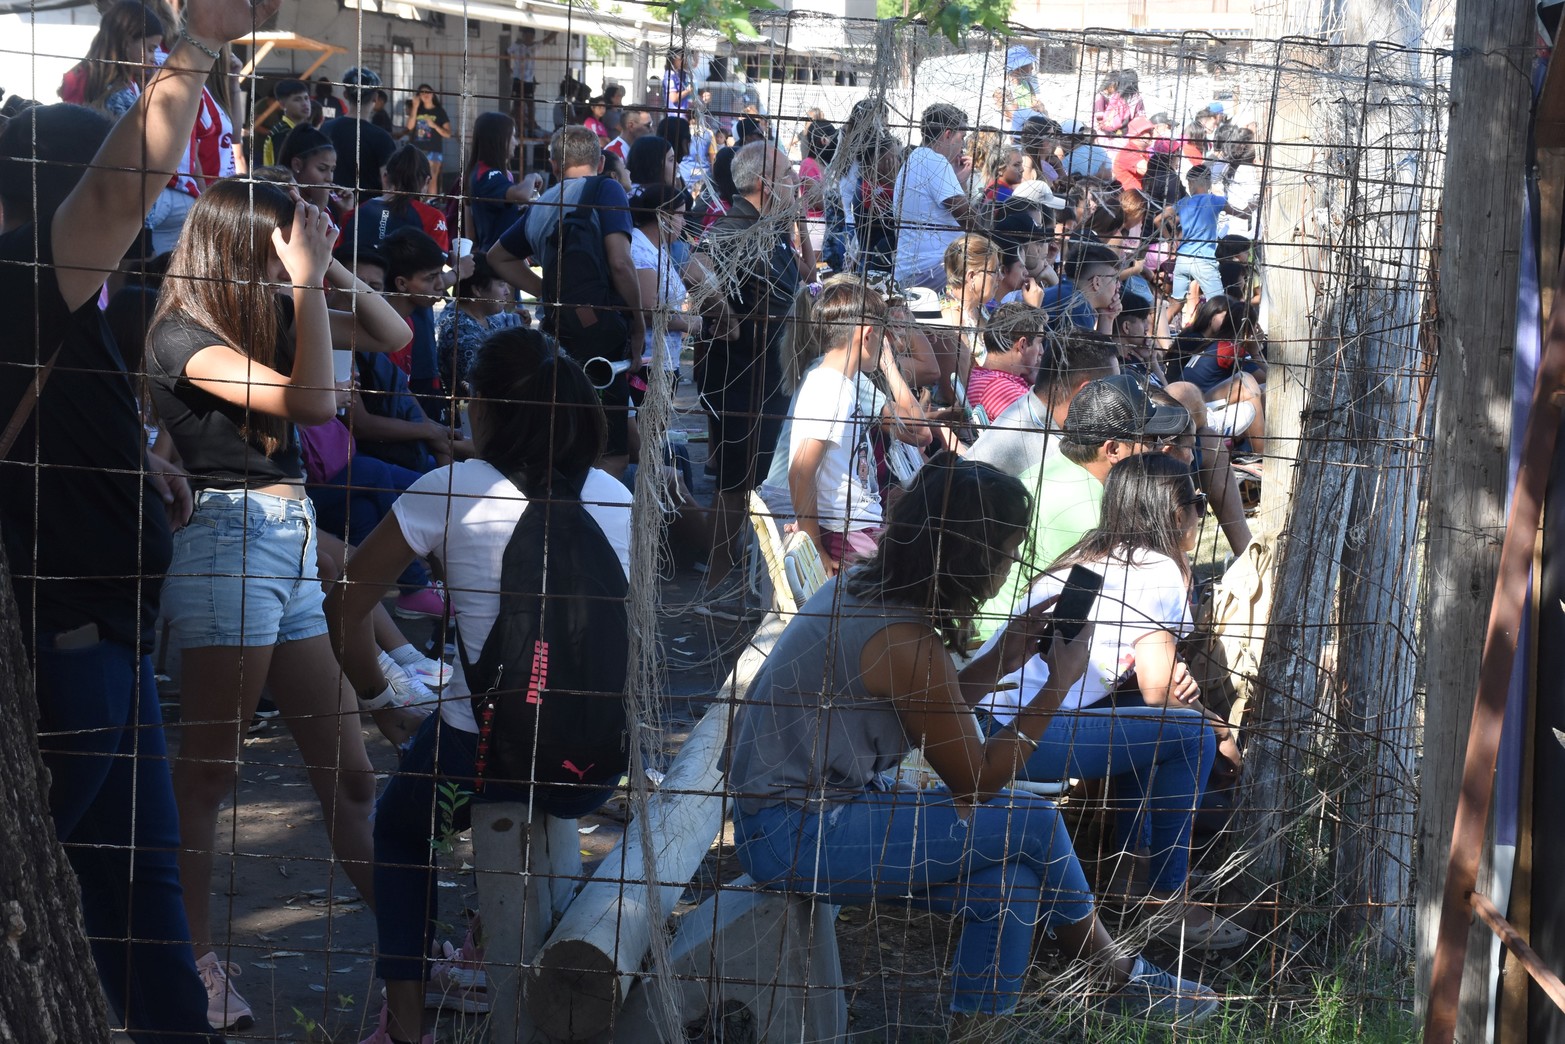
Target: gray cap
[(1119, 408)]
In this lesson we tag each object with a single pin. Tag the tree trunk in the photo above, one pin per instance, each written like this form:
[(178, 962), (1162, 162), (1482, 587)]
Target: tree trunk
[(1384, 259), (48, 984), (1490, 102)]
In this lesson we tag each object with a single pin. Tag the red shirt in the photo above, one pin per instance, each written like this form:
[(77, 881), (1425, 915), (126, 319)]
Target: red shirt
[(1125, 162), (994, 390)]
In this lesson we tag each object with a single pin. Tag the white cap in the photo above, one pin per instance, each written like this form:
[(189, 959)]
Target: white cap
[(1040, 194)]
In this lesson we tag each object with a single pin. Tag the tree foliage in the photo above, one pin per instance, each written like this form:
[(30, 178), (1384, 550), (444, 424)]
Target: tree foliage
[(952, 18), (948, 18)]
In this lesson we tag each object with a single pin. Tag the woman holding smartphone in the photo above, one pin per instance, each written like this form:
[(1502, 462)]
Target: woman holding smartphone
[(862, 675), (1135, 714)]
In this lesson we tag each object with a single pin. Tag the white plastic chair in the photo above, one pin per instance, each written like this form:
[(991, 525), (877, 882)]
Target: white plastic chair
[(803, 567)]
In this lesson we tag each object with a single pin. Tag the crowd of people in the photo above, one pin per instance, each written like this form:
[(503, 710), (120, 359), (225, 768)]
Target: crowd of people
[(251, 404)]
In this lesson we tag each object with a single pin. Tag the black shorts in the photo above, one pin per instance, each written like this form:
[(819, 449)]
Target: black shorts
[(745, 407), (529, 89)]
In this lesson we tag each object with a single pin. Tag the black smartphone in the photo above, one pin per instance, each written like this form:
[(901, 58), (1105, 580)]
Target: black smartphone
[(1075, 603)]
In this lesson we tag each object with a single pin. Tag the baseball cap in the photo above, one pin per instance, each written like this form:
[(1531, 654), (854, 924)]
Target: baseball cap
[(1139, 126), (1118, 407), (1070, 127), (1018, 57), (1213, 109), (1040, 194)]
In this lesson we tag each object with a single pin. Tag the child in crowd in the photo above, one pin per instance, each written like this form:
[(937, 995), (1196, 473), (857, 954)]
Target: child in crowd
[(1005, 175), (311, 158), (406, 178), (416, 278), (235, 365), (293, 97), (832, 466), (1014, 339), (1196, 260)]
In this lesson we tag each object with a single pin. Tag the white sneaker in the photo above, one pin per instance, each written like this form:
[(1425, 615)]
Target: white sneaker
[(434, 674), (225, 1009), (402, 690)]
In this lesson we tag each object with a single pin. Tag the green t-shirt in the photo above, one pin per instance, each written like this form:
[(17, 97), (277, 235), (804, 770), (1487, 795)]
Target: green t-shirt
[(1069, 501)]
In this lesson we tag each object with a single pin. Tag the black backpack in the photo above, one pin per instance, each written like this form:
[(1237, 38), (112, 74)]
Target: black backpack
[(549, 689), (584, 311), (1161, 183)]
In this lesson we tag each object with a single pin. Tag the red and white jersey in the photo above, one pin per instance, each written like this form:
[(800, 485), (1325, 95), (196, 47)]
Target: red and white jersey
[(214, 140), (205, 141)]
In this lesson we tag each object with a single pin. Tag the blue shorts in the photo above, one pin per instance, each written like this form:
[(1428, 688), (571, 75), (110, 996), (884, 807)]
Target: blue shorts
[(1199, 270), (244, 572)]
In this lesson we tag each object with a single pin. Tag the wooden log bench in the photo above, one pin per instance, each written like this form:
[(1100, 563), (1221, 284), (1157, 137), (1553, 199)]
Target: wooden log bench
[(567, 965)]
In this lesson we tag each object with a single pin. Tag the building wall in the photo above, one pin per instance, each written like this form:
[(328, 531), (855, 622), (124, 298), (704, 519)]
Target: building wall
[(39, 49), (1220, 16)]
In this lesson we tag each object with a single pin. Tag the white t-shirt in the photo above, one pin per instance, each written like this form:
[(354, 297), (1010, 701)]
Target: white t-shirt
[(925, 226), (645, 254), (1240, 188), (465, 515), (1140, 596), (847, 497), (521, 60)]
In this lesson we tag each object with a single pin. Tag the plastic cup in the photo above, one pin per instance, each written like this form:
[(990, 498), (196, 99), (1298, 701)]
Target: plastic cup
[(462, 246)]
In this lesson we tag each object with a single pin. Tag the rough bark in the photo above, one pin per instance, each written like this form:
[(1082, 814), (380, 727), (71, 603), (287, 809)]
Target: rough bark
[(1490, 102), (1378, 652), (48, 986)]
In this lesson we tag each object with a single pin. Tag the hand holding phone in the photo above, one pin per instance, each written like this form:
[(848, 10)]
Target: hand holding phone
[(1073, 608)]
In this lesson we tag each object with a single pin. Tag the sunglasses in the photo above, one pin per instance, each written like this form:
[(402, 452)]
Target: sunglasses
[(1199, 502)]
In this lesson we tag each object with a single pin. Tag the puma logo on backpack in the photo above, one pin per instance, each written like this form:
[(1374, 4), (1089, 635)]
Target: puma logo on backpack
[(549, 688)]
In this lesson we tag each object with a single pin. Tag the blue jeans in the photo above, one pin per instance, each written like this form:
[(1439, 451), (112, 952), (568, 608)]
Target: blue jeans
[(1159, 760), (1005, 869), (101, 733), (407, 819), (352, 502)]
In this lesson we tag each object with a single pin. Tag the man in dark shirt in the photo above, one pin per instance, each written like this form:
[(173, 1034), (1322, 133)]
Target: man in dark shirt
[(575, 155), (741, 377), (86, 518), (362, 147)]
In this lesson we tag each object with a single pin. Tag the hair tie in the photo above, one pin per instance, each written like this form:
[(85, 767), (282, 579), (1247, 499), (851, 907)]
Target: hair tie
[(814, 290)]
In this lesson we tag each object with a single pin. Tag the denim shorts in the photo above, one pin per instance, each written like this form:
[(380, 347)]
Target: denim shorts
[(244, 572), (1199, 270)]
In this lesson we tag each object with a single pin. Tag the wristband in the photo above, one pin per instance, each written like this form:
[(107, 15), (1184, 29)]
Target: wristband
[(184, 34), (1032, 744)]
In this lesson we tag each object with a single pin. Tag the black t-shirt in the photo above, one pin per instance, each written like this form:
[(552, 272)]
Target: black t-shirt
[(209, 431), (84, 528), (362, 149)]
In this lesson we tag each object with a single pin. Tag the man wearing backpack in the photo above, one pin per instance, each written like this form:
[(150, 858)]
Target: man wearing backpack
[(741, 375), (579, 233)]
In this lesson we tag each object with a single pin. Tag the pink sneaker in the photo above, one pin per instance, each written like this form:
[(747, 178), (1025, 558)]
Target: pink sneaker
[(429, 603), (383, 1036), (457, 980), (225, 1009)]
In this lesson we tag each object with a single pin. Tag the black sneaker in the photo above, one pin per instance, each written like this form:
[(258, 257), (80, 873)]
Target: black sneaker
[(1154, 996)]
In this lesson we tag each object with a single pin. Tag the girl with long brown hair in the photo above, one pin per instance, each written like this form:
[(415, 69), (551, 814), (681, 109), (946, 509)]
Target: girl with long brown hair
[(239, 354), (123, 50)]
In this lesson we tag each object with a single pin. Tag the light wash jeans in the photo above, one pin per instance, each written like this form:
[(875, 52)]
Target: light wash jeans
[(1006, 867)]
